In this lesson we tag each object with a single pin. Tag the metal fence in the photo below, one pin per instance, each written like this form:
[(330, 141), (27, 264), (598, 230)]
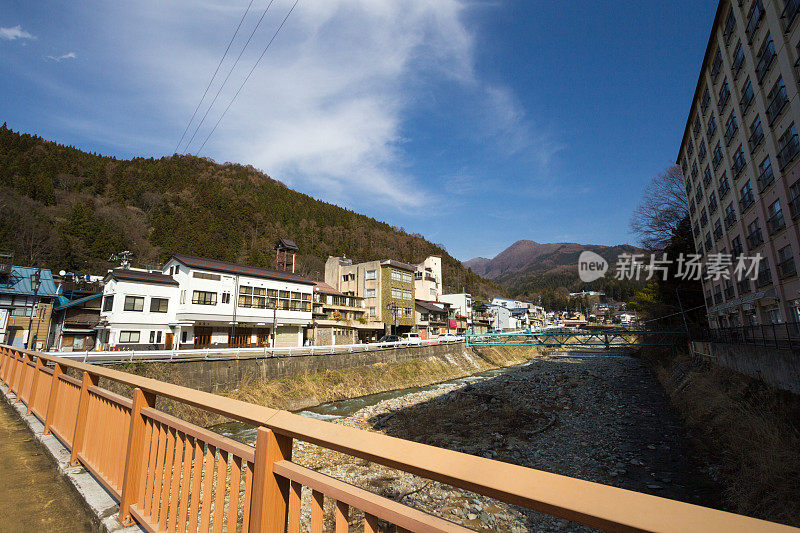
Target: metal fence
[(785, 335)]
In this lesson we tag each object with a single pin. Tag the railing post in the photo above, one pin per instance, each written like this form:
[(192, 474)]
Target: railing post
[(52, 398), (79, 436), (34, 384), (270, 504), (23, 368), (132, 479)]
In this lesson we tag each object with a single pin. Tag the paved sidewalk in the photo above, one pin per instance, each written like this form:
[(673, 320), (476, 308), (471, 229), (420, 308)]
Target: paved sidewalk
[(33, 494)]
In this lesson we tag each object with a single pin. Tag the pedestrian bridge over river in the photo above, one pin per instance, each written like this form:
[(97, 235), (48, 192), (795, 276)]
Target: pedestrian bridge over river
[(597, 339)]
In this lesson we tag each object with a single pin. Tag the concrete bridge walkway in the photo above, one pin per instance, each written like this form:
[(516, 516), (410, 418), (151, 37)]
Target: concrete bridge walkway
[(33, 494)]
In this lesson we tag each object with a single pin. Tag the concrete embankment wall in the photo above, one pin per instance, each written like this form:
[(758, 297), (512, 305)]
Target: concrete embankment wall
[(775, 366), (298, 382)]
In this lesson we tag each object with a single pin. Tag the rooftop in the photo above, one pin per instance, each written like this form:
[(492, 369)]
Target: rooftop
[(244, 270), (141, 276), (18, 281)]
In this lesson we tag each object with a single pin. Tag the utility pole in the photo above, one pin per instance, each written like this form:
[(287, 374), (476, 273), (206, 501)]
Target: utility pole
[(685, 324), (36, 281)]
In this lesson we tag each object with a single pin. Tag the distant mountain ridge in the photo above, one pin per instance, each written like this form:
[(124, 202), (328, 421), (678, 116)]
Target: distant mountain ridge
[(528, 267)]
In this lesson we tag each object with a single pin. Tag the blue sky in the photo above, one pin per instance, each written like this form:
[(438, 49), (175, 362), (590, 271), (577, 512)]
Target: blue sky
[(475, 124)]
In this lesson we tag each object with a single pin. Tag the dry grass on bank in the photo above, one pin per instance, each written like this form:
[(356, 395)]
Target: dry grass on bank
[(749, 431), (309, 389)]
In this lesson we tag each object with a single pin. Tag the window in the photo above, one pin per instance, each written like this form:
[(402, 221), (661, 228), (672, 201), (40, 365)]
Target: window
[(397, 275), (689, 149), (184, 336), (754, 17), (707, 177), (705, 101), (786, 265), (226, 297), (716, 66), (129, 337), (746, 197), (717, 230), (696, 126), (108, 302), (730, 216), (134, 303), (372, 311), (703, 217), (731, 127), (736, 246), (756, 134), (738, 60), (152, 337), (788, 147), (724, 97), (766, 177), (371, 274), (397, 294), (370, 293), (159, 305), (777, 101), (712, 128), (724, 185), (406, 295), (790, 10), (775, 222), (747, 96), (730, 27), (712, 203), (754, 237), (407, 277), (794, 202), (738, 161), (204, 275), (701, 151), (717, 158), (204, 298), (158, 337)]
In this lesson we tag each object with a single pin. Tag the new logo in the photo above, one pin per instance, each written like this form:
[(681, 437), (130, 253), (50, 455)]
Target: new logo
[(591, 266)]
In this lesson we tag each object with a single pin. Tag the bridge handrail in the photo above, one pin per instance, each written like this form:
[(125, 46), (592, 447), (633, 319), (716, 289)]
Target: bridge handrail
[(270, 498)]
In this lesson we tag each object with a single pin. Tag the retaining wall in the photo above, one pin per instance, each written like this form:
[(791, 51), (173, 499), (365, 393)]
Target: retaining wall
[(776, 366)]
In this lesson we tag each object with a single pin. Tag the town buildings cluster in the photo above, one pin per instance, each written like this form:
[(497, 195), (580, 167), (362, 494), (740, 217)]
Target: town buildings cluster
[(739, 158), (194, 302)]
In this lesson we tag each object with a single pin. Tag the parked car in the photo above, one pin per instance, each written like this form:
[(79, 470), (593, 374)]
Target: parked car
[(411, 338), (450, 337), (390, 338)]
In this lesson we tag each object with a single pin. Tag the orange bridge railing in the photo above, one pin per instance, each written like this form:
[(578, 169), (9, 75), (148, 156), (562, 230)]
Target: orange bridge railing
[(170, 475)]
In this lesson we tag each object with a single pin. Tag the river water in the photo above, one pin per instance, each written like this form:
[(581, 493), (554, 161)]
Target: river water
[(340, 409)]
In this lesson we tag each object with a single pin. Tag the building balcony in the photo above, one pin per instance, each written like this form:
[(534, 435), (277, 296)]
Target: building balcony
[(730, 220), (766, 179), (776, 105), (754, 23), (717, 233), (775, 223), (738, 165), (756, 138), (788, 152), (794, 207), (730, 133), (789, 14), (746, 201), (754, 240), (786, 268), (723, 190)]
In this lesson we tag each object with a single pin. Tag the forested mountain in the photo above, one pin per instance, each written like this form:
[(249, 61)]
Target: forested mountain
[(528, 269), (64, 208)]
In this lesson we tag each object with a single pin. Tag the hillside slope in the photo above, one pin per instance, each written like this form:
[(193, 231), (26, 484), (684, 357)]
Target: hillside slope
[(530, 269), (61, 207)]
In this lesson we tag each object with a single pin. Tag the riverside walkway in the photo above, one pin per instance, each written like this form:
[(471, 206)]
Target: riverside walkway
[(168, 474), (33, 495)]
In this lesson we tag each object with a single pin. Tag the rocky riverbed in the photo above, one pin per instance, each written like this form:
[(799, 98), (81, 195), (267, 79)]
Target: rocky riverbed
[(598, 418)]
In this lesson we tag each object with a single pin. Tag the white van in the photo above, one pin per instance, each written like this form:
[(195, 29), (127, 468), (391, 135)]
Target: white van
[(411, 338)]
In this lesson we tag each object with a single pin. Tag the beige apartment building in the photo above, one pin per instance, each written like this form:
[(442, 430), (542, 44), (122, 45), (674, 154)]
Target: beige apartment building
[(387, 287), (428, 279), (739, 158)]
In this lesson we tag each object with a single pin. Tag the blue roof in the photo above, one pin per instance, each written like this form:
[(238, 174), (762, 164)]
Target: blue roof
[(18, 281), (67, 303)]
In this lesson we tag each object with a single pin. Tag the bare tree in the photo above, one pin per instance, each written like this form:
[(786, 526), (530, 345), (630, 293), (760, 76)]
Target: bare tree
[(661, 210)]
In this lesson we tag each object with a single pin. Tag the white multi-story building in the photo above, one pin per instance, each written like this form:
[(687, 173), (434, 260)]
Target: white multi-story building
[(197, 302), (461, 303), (428, 278)]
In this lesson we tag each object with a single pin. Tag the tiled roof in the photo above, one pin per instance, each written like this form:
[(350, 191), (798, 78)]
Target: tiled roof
[(73, 303), (326, 289), (141, 276), (399, 264), (244, 270), (432, 306), (286, 244), (18, 281)]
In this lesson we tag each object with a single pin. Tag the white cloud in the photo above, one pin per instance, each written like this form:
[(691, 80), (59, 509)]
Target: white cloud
[(16, 32), (324, 111), (58, 59)]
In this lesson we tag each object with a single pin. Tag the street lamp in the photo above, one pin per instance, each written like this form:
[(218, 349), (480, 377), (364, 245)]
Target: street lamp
[(36, 282), (393, 308)]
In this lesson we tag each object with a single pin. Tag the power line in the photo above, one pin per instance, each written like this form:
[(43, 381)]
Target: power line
[(229, 75), (248, 76), (224, 55)]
